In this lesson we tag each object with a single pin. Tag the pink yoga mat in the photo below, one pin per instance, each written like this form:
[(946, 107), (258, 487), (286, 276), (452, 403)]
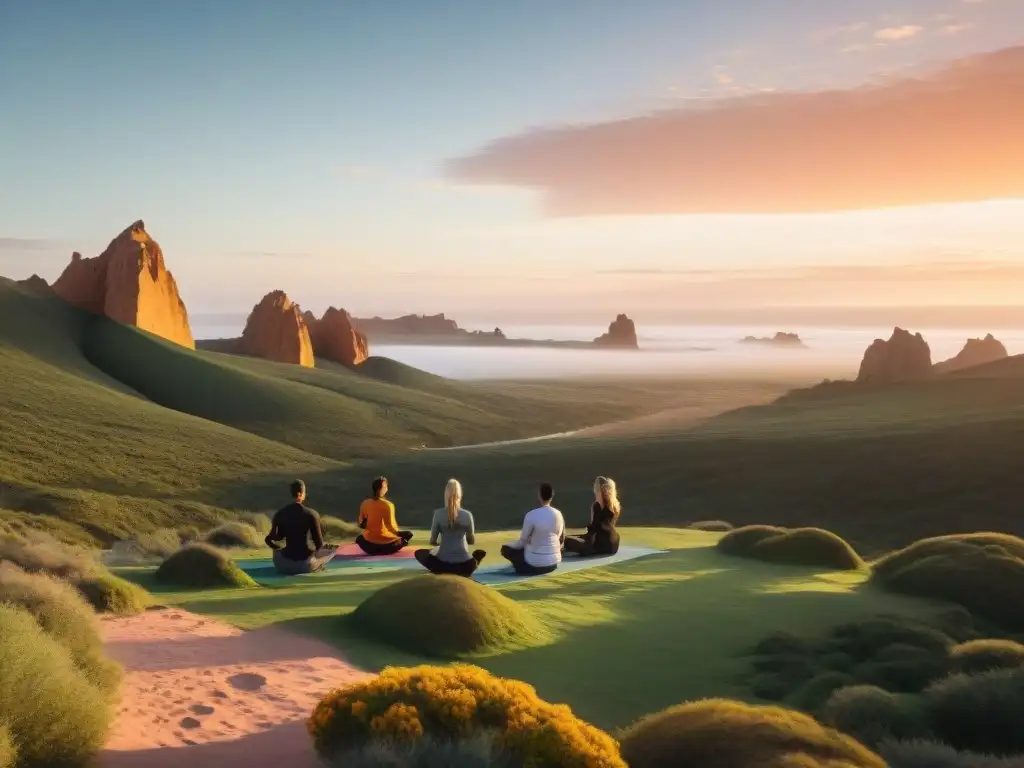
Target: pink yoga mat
[(350, 551)]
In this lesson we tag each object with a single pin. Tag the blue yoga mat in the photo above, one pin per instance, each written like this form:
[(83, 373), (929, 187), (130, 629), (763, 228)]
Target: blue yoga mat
[(502, 573), (499, 572)]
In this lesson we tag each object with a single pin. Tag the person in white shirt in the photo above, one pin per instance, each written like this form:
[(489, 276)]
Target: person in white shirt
[(539, 548)]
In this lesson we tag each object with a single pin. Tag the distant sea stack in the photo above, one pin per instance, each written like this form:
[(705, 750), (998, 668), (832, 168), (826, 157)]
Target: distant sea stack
[(335, 338), (129, 283), (975, 352), (903, 357), (37, 284), (408, 325), (780, 339), (276, 330), (621, 335)]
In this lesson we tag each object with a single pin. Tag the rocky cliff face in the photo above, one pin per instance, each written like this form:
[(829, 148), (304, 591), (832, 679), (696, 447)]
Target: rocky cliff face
[(276, 330), (335, 337), (903, 357), (621, 334), (129, 283), (975, 352)]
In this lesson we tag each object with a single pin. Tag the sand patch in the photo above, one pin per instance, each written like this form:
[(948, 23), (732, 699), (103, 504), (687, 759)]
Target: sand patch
[(200, 691)]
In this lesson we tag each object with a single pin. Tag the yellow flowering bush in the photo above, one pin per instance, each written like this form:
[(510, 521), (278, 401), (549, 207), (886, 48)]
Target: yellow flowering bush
[(455, 703)]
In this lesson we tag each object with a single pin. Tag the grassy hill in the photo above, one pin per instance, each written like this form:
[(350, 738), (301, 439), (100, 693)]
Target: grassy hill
[(113, 430)]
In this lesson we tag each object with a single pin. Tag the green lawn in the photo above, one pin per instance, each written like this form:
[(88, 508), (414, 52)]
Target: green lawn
[(628, 639)]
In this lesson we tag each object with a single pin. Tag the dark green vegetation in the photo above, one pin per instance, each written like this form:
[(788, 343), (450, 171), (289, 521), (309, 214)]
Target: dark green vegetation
[(200, 566), (964, 569), (446, 617), (718, 733), (800, 546), (921, 753), (475, 752), (984, 655), (107, 593)]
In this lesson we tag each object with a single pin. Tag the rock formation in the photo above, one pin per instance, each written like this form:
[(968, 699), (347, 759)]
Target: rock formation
[(335, 338), (975, 352), (621, 334), (37, 284), (903, 357), (780, 339), (276, 330), (129, 283), (426, 325)]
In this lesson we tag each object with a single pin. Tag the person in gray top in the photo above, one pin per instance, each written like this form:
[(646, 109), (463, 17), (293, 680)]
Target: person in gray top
[(454, 526)]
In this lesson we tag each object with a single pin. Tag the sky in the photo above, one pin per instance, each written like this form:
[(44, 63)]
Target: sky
[(557, 160)]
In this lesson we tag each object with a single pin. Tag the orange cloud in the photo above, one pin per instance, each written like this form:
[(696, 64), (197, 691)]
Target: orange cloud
[(892, 34), (954, 136)]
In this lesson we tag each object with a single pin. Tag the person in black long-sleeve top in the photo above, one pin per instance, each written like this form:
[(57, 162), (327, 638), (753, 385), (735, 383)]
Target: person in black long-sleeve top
[(299, 527), (601, 536)]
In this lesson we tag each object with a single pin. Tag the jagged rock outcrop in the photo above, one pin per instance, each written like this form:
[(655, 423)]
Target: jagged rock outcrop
[(335, 337), (975, 352), (276, 330), (621, 334), (129, 283), (905, 356), (37, 284), (780, 339)]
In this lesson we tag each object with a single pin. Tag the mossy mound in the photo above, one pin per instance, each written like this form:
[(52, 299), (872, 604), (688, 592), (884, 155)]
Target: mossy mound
[(979, 713), (924, 753), (873, 715), (8, 752), (108, 593), (978, 656), (983, 572), (712, 526), (446, 617), (54, 715), (200, 566), (717, 733), (336, 530), (235, 535), (812, 547)]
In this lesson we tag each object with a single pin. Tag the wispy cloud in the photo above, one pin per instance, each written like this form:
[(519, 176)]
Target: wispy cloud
[(954, 135), (956, 29), (892, 34)]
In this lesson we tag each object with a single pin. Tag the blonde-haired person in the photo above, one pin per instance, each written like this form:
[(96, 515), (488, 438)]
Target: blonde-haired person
[(601, 537), (455, 528)]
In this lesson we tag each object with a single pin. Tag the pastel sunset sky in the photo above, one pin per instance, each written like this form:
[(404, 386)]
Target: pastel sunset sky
[(556, 159)]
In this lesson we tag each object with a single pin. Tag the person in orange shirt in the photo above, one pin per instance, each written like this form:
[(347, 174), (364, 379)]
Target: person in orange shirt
[(380, 535)]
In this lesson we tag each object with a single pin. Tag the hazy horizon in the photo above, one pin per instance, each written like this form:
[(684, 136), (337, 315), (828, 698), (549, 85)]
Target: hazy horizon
[(669, 159)]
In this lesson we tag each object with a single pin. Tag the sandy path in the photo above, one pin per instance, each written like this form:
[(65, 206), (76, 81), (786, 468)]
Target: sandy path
[(198, 692)]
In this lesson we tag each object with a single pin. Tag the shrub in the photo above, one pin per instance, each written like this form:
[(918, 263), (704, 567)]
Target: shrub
[(54, 715), (477, 619), (713, 526), (863, 640), (477, 752), (42, 553), (933, 754), (338, 530), (782, 643), (235, 535), (187, 534), (962, 570), (108, 593), (981, 712), (903, 668), (199, 566), (872, 715), (717, 733), (799, 546), (8, 752), (62, 614), (811, 697), (452, 704), (258, 520), (984, 655)]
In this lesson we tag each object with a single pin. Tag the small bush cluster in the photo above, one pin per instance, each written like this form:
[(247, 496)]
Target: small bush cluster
[(812, 547), (713, 526), (481, 751), (984, 655), (980, 713), (873, 715), (235, 535), (338, 530), (962, 569), (477, 619), (200, 566), (108, 593), (717, 733), (921, 753), (455, 704)]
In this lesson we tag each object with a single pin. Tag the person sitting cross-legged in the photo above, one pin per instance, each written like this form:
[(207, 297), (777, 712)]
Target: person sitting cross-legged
[(380, 535), (601, 536), (298, 525), (455, 528), (539, 548)]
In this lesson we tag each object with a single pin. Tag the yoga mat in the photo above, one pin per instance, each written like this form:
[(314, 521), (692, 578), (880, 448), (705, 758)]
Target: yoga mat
[(502, 573), (349, 556), (352, 552)]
